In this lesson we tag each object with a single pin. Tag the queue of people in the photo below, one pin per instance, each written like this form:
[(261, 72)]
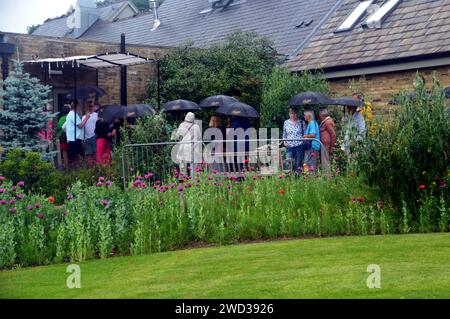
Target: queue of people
[(301, 137), (85, 136)]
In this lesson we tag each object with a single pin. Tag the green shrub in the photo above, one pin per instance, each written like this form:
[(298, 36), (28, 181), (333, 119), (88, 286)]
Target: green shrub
[(407, 155), (279, 87)]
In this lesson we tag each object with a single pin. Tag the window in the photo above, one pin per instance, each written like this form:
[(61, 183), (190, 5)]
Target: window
[(377, 18), (354, 16)]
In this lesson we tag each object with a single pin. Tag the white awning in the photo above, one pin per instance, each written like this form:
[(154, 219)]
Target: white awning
[(105, 60)]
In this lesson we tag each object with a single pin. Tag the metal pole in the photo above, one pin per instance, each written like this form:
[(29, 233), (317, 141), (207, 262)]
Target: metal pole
[(123, 170), (158, 81), (96, 84), (123, 73)]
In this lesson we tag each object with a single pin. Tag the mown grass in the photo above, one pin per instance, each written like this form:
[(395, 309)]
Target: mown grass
[(412, 266)]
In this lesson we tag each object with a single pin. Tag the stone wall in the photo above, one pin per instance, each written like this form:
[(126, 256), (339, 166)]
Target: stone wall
[(380, 87), (32, 47)]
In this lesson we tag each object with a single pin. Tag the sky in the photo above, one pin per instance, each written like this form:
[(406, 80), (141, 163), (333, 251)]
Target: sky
[(16, 15)]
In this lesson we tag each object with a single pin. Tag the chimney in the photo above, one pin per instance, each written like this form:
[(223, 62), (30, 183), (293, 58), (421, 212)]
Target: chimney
[(84, 17), (154, 7)]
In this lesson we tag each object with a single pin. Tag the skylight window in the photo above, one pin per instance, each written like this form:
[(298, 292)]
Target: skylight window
[(355, 16), (377, 18)]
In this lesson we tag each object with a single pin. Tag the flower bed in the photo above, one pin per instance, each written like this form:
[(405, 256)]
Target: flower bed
[(104, 220)]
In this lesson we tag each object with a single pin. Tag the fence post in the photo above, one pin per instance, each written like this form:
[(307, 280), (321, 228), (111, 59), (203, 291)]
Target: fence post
[(122, 157)]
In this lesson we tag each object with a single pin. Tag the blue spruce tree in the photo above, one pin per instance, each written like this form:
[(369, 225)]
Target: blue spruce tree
[(24, 115)]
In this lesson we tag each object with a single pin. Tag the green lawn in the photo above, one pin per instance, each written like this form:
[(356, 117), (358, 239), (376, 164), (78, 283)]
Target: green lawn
[(412, 266)]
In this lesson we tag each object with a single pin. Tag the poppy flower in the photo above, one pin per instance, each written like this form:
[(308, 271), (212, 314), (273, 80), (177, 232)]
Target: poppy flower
[(12, 201), (3, 202), (2, 190), (40, 216), (30, 207), (422, 186), (19, 196), (281, 176), (13, 210), (99, 184), (148, 175), (441, 184), (282, 192), (246, 161), (14, 188), (104, 202), (101, 179), (353, 199), (51, 199), (69, 196), (180, 189), (2, 178), (360, 199), (108, 183), (21, 184)]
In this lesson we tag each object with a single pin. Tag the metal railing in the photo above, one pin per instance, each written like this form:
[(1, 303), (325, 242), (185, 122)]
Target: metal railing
[(267, 158)]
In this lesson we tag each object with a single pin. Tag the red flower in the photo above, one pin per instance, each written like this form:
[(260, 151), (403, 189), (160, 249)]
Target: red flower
[(282, 192), (246, 161), (422, 186), (353, 199), (360, 199), (51, 199), (40, 216)]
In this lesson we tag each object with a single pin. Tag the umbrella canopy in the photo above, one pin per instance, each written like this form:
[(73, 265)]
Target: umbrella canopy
[(347, 101), (89, 91), (216, 101), (447, 92), (180, 106), (111, 112), (238, 109), (138, 110), (310, 98)]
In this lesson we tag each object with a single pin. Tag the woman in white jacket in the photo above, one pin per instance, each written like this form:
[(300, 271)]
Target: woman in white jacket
[(189, 150)]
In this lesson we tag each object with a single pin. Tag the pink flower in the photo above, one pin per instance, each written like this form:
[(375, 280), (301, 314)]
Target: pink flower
[(12, 201), (101, 179), (163, 189), (148, 175), (40, 216), (3, 202), (442, 184), (13, 210), (229, 186), (353, 199), (104, 202), (2, 190), (14, 188), (19, 196), (21, 184), (99, 184), (158, 182), (37, 205), (69, 196), (180, 188), (30, 207), (2, 178), (108, 183)]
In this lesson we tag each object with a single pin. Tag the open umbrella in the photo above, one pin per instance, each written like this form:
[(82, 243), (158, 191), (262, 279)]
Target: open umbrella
[(346, 101), (447, 92), (238, 109), (310, 98), (89, 91), (180, 106), (111, 112), (138, 110), (216, 101)]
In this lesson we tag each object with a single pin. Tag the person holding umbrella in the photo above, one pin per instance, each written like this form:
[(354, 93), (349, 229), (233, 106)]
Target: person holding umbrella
[(294, 129), (355, 130), (312, 148), (74, 131)]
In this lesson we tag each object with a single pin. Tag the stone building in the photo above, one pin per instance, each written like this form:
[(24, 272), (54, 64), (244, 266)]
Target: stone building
[(382, 52)]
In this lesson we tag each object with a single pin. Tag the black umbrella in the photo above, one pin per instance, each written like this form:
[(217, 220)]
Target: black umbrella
[(310, 98), (180, 106), (447, 92), (89, 91), (216, 101), (347, 101), (111, 112), (138, 110), (238, 109)]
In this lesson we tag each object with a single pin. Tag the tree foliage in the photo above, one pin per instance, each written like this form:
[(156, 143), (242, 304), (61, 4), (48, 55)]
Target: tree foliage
[(24, 113), (279, 87), (236, 67)]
